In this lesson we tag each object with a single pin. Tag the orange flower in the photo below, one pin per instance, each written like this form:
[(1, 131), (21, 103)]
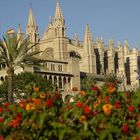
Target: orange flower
[(107, 108), (111, 90), (30, 106), (111, 84), (36, 88), (95, 105), (42, 95), (82, 93), (83, 118), (99, 100), (37, 101)]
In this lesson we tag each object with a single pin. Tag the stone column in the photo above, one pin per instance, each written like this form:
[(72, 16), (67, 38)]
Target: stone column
[(52, 79), (111, 56), (57, 81), (62, 82)]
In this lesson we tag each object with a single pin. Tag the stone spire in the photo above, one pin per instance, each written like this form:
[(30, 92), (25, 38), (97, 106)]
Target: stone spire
[(119, 45), (32, 29), (89, 58), (126, 47), (111, 44), (88, 36), (31, 20), (58, 13), (75, 38), (59, 22), (19, 34)]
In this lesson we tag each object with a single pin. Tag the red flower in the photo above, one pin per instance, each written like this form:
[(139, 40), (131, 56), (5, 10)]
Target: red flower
[(137, 138), (94, 113), (23, 103), (80, 104), (87, 110), (1, 109), (19, 117), (95, 88), (125, 128), (1, 138), (106, 99), (57, 96), (15, 122), (117, 104), (49, 103), (131, 108), (5, 105), (1, 119), (138, 124), (129, 101)]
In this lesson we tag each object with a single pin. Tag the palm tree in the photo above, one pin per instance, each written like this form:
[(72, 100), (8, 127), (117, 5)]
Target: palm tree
[(15, 53)]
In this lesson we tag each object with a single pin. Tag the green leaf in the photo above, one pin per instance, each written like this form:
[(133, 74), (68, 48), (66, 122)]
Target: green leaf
[(11, 107), (85, 125), (103, 134), (19, 109), (115, 129), (41, 120), (109, 136)]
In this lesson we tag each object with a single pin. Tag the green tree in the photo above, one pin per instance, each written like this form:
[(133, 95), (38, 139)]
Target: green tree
[(24, 83), (14, 53)]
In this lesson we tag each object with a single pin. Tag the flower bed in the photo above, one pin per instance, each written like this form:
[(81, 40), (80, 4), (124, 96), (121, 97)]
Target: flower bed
[(102, 113)]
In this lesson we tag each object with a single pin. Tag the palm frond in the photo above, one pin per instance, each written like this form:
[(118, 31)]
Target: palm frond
[(6, 45), (3, 48)]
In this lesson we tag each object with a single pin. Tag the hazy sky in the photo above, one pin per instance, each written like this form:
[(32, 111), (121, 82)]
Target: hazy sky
[(117, 19)]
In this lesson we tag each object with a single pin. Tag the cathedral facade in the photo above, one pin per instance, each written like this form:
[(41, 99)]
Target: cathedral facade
[(66, 59)]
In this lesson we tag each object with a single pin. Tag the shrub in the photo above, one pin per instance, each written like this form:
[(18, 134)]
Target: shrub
[(98, 114), (24, 83)]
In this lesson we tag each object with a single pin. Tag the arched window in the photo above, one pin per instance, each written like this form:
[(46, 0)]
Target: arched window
[(74, 54), (48, 53), (1, 78), (59, 67)]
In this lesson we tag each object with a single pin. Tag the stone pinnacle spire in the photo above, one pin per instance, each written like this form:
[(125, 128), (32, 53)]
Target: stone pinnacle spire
[(58, 12), (32, 29), (31, 19), (88, 35)]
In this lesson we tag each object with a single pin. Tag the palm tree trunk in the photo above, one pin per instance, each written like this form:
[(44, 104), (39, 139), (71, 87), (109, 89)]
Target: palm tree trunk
[(10, 74)]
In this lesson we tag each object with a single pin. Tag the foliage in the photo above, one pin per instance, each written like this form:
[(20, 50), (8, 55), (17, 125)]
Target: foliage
[(87, 82), (98, 114), (111, 77), (24, 83), (15, 52)]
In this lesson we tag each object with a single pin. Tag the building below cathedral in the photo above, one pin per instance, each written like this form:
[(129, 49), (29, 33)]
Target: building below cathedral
[(65, 59)]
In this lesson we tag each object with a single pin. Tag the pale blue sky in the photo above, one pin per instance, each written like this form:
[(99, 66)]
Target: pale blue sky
[(118, 19)]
